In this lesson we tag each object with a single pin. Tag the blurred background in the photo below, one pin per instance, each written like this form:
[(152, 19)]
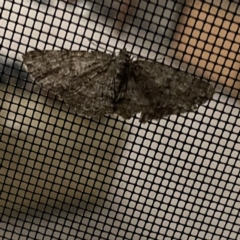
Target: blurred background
[(63, 176)]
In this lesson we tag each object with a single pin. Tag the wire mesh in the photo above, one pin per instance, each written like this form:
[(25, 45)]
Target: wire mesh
[(64, 176)]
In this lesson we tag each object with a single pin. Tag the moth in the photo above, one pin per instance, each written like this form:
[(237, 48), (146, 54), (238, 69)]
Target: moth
[(97, 83)]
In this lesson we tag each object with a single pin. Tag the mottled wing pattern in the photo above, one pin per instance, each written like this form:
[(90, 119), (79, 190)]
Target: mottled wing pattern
[(95, 84), (87, 81), (167, 91)]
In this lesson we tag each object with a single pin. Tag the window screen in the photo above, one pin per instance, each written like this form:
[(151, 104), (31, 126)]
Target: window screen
[(65, 176)]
